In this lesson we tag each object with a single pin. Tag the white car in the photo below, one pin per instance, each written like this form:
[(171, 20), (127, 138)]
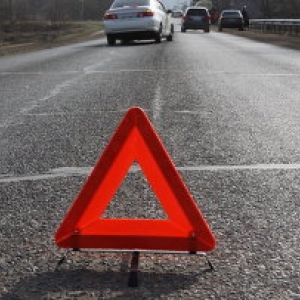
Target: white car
[(128, 20)]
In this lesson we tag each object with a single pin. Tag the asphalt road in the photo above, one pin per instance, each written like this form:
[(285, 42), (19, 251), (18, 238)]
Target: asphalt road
[(227, 110)]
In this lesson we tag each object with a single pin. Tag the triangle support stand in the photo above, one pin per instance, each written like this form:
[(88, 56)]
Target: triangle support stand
[(134, 267), (134, 262)]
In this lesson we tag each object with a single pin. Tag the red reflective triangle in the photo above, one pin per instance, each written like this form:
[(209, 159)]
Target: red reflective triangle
[(135, 140)]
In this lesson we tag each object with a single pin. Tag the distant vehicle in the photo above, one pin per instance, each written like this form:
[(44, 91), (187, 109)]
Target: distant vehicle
[(196, 17), (128, 20), (177, 13), (231, 18)]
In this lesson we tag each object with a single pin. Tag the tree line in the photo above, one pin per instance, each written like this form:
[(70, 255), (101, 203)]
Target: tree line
[(281, 9), (52, 10), (64, 10)]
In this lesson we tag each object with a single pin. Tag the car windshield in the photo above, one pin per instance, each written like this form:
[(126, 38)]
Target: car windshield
[(231, 14), (130, 3), (196, 12)]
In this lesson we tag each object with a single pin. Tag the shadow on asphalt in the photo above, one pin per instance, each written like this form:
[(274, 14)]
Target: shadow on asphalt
[(42, 285), (120, 44), (194, 32)]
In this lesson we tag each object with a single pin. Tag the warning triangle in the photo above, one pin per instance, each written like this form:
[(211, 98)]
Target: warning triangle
[(135, 140)]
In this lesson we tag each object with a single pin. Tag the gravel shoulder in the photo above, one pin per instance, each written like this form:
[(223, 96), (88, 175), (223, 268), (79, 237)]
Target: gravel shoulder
[(282, 40)]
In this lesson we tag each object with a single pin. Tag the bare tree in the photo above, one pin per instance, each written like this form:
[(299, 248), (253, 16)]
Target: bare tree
[(266, 8)]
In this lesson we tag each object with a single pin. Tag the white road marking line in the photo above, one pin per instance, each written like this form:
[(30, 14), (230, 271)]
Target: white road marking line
[(54, 173), (83, 171), (263, 167)]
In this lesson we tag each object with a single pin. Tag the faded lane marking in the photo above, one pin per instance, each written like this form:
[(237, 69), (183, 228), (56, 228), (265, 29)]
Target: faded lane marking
[(157, 106), (90, 70), (58, 89), (83, 171), (94, 112), (191, 112)]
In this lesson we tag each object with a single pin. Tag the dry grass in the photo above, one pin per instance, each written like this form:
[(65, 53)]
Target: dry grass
[(27, 36)]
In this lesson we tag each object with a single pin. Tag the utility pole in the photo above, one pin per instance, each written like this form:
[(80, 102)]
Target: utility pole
[(11, 11), (266, 8), (82, 10)]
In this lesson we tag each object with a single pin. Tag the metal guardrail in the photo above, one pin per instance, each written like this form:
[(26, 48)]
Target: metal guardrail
[(283, 26)]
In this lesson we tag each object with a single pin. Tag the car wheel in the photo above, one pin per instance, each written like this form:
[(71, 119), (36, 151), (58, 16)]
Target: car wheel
[(206, 30), (111, 41), (241, 29), (158, 36), (183, 29), (219, 28), (170, 36)]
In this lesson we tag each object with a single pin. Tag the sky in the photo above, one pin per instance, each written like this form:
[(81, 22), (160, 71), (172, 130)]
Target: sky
[(181, 3), (173, 3)]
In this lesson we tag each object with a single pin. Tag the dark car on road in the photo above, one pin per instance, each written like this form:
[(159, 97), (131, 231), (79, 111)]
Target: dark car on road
[(231, 19), (196, 18)]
